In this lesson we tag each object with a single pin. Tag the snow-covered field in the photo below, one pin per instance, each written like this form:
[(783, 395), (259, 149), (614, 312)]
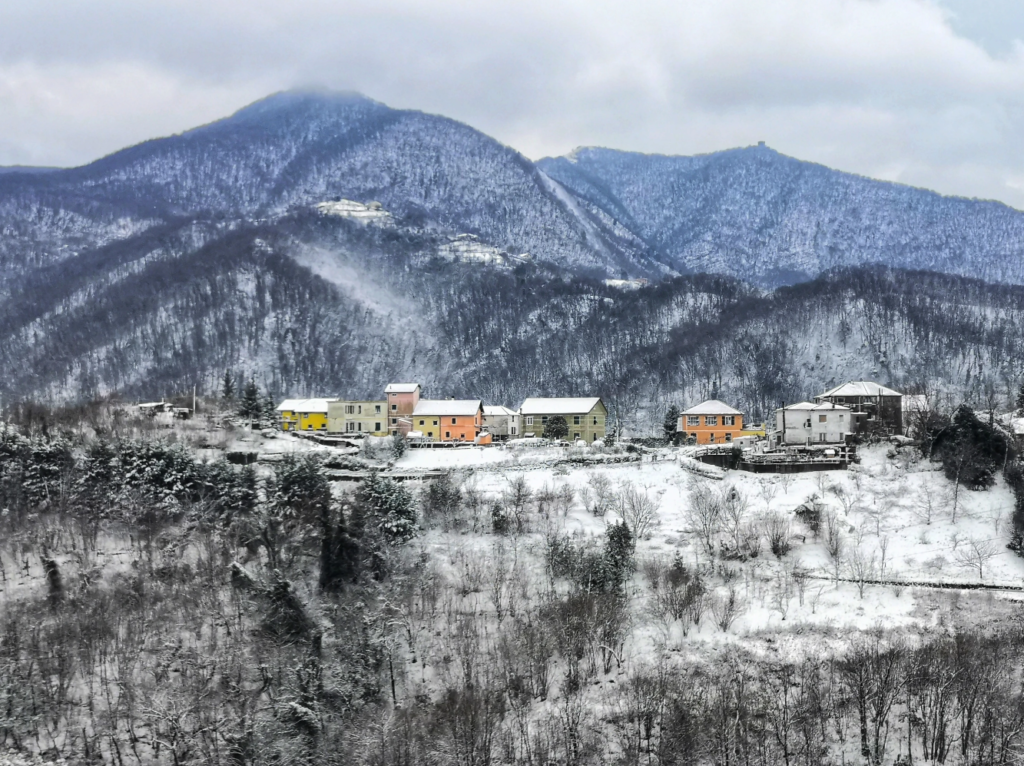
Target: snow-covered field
[(895, 517)]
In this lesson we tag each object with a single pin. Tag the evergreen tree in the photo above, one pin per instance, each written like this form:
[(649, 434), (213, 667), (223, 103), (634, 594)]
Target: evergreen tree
[(556, 428), (269, 407), (398, 445), (228, 386), (618, 553), (390, 504), (670, 423), (1020, 401), (250, 406)]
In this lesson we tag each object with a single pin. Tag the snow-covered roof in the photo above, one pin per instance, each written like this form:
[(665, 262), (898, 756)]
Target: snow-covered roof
[(860, 388), (304, 405), (543, 406), (401, 388), (447, 407), (807, 406), (712, 407), (497, 410)]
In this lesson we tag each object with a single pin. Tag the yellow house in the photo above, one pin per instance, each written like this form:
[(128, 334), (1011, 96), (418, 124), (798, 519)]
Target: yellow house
[(304, 414), (355, 417)]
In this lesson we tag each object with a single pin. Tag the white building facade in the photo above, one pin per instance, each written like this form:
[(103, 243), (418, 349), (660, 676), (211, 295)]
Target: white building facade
[(808, 424)]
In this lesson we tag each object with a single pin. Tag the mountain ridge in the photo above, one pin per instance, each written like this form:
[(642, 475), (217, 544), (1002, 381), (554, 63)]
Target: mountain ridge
[(481, 272)]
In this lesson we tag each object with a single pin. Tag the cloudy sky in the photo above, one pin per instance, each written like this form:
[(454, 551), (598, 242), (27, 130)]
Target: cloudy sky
[(926, 92)]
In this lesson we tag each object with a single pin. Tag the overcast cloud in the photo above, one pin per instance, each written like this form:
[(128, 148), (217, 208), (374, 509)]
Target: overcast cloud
[(926, 92)]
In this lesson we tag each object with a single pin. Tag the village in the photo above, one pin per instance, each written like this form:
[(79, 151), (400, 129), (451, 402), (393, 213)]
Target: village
[(809, 435)]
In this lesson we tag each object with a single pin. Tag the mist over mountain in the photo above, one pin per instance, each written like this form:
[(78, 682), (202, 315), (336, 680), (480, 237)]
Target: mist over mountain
[(481, 273)]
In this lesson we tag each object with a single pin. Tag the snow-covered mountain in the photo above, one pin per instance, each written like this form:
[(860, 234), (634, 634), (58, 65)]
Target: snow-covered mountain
[(757, 214), (298, 149), (325, 243)]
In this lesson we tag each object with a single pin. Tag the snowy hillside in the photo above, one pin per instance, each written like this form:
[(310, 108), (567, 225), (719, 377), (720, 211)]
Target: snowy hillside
[(325, 243), (756, 214)]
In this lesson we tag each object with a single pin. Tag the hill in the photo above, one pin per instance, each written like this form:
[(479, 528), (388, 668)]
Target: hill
[(757, 214)]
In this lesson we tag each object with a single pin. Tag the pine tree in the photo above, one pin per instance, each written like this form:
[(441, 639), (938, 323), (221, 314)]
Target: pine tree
[(228, 386), (391, 505), (556, 428), (670, 423), (1020, 401), (269, 407), (250, 406)]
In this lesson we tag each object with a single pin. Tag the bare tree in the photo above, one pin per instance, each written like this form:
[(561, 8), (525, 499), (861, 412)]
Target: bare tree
[(516, 501), (849, 499), (638, 510), (734, 515), (598, 496), (778, 531), (704, 514), (974, 554), (725, 609), (835, 543), (862, 568), (768, 489), (928, 502), (782, 592)]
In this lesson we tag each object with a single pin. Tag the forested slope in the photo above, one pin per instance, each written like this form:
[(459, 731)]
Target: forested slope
[(318, 305)]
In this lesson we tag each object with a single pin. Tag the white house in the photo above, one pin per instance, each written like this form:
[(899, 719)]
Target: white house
[(807, 423), (501, 422)]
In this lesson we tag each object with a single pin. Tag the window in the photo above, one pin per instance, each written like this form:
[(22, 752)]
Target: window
[(462, 436), (512, 430), (822, 418), (728, 420), (821, 437), (394, 421), (728, 437), (840, 417), (376, 409), (575, 420), (434, 423), (454, 421), (595, 420), (376, 426), (394, 408), (360, 408), (349, 409), (712, 440), (711, 420), (350, 426), (422, 423), (360, 427), (544, 420), (529, 420), (576, 436), (447, 434), (693, 420)]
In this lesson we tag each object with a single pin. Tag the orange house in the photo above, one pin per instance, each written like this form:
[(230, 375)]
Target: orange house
[(711, 422), (449, 420)]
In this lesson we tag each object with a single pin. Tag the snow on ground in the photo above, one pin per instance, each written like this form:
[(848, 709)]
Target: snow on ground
[(896, 515)]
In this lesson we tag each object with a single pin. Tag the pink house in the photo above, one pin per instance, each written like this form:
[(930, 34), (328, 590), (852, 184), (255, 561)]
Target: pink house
[(402, 399)]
